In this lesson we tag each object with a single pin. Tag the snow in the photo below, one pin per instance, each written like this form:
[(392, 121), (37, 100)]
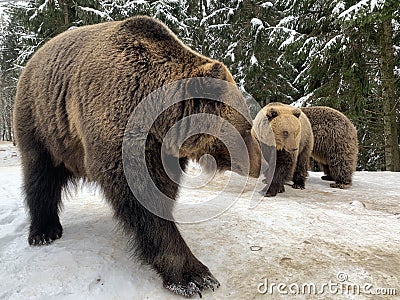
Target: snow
[(255, 22), (300, 102), (206, 18), (301, 236), (287, 42), (43, 6), (286, 21), (253, 60), (396, 71), (396, 50), (231, 51), (340, 6), (281, 31), (266, 4), (95, 11), (3, 13), (360, 6), (333, 42), (41, 9)]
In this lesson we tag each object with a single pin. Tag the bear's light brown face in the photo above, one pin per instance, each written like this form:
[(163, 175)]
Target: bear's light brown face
[(286, 126)]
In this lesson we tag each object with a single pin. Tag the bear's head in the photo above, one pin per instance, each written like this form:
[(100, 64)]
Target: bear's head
[(285, 123), (234, 147)]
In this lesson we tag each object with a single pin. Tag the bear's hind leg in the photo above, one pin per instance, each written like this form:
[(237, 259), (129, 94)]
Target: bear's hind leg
[(341, 172), (327, 173), (43, 183), (341, 185)]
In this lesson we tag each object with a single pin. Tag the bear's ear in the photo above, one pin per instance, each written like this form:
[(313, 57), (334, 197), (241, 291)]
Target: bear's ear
[(213, 70), (271, 114), (297, 113)]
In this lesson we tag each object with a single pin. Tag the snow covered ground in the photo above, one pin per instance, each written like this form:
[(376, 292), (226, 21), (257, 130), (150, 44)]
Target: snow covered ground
[(338, 241)]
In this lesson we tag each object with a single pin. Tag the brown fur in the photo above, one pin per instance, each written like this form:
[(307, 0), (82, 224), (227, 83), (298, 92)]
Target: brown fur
[(293, 141), (73, 102), (335, 144)]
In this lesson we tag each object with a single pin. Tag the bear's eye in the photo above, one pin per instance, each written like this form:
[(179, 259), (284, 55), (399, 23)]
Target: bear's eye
[(272, 114), (297, 113), (285, 134)]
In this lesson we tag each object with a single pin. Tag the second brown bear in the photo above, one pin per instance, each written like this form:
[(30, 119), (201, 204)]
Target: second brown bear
[(335, 146), (293, 141)]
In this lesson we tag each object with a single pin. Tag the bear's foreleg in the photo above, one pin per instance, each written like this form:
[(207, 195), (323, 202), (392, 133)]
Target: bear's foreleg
[(301, 171), (157, 240), (283, 172)]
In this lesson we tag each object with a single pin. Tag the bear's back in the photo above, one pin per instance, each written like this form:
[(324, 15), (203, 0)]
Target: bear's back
[(323, 115), (93, 77)]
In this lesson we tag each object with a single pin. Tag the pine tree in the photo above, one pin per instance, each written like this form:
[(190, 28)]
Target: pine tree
[(236, 33), (380, 14), (313, 52), (9, 72), (338, 61), (256, 65)]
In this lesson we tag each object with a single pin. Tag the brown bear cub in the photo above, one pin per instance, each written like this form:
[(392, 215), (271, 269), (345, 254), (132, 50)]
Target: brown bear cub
[(293, 141), (335, 144), (73, 102)]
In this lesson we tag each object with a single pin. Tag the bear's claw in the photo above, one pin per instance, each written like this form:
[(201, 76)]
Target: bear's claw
[(195, 286), (340, 185), (299, 186), (45, 236)]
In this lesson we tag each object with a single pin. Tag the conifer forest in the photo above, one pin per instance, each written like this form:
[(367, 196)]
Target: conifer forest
[(340, 53)]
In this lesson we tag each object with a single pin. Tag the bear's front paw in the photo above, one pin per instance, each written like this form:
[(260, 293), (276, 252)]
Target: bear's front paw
[(193, 284), (44, 235), (272, 191), (327, 178)]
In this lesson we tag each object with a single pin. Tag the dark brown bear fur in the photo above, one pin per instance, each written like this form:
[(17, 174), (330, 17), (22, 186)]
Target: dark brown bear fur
[(335, 144), (293, 141), (73, 102)]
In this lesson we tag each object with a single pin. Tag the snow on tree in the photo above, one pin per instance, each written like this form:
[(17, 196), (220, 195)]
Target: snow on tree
[(335, 49), (305, 52)]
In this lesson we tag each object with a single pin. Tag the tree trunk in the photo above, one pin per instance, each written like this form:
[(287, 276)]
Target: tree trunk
[(203, 10), (388, 96), (65, 12)]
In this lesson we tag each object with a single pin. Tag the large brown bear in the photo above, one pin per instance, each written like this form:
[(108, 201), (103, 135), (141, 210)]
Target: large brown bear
[(293, 141), (335, 144), (73, 103)]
